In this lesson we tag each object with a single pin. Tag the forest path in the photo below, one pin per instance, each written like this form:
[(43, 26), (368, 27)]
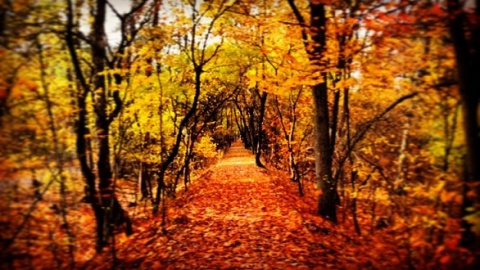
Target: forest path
[(233, 217)]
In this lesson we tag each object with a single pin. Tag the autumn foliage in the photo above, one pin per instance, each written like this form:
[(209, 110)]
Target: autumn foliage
[(244, 134)]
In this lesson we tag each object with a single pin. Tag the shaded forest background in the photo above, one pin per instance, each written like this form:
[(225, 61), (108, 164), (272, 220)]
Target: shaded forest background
[(109, 110)]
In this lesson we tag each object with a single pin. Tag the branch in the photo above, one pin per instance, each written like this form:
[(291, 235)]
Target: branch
[(369, 124), (215, 52), (125, 41), (209, 31), (378, 117), (118, 107), (28, 214), (301, 20), (376, 166), (72, 50), (284, 129), (114, 10)]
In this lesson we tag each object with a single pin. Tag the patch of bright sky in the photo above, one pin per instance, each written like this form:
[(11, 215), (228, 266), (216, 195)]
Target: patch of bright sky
[(168, 7), (112, 25), (112, 22)]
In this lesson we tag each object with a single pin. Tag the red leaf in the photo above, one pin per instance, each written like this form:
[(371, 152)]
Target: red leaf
[(451, 244)]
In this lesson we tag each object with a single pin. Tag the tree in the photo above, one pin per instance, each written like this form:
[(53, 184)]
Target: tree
[(193, 43), (107, 209), (315, 48), (465, 32)]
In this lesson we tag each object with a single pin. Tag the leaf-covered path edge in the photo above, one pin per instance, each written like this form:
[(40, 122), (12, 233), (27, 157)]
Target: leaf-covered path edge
[(240, 216)]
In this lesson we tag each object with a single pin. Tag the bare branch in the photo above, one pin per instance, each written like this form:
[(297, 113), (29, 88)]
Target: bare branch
[(301, 20), (118, 106), (114, 10), (360, 134)]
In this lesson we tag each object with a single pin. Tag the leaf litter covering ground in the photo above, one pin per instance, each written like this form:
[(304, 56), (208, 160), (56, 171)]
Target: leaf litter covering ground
[(238, 217)]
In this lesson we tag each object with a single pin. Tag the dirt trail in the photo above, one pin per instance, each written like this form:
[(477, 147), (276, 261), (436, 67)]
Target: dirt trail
[(234, 217)]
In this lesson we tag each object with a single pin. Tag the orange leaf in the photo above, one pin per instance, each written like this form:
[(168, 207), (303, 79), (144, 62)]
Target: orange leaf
[(471, 194), (437, 10), (445, 259), (451, 244)]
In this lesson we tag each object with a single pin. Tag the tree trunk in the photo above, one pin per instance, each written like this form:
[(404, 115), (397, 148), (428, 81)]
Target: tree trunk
[(323, 158), (251, 124), (173, 154), (81, 130), (315, 46), (108, 211), (258, 151), (112, 212), (467, 56)]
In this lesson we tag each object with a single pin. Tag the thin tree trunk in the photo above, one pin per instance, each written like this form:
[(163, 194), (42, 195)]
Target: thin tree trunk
[(107, 199), (58, 159), (354, 202), (258, 151), (171, 156), (81, 130)]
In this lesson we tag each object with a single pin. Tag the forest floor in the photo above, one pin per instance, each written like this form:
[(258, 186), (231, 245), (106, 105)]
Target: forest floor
[(238, 216)]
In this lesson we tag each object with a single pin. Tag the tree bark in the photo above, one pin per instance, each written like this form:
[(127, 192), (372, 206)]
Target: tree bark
[(107, 209), (315, 48), (174, 152), (467, 56), (323, 158), (80, 129), (259, 135)]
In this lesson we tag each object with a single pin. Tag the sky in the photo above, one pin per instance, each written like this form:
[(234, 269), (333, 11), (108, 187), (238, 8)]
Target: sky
[(112, 22)]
